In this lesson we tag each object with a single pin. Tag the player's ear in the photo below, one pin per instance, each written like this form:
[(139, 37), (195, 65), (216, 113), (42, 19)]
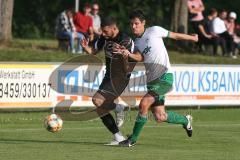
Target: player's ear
[(143, 22)]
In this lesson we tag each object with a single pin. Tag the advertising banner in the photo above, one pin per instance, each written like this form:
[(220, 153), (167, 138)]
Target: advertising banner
[(34, 85)]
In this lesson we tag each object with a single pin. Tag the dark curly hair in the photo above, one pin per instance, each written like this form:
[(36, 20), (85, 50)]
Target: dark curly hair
[(137, 14)]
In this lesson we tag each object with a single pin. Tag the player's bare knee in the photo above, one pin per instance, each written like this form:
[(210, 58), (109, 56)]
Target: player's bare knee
[(97, 101), (162, 117), (157, 118)]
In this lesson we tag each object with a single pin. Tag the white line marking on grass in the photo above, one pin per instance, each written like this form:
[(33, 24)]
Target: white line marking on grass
[(150, 126)]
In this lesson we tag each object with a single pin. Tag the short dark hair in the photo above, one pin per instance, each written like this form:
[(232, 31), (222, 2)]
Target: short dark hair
[(87, 5), (222, 10), (108, 21), (137, 14), (70, 9), (213, 11)]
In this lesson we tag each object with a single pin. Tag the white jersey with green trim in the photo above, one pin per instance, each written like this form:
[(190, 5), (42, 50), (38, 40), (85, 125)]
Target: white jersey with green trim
[(152, 47)]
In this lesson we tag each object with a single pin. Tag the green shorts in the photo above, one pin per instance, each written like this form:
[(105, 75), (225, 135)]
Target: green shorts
[(159, 87)]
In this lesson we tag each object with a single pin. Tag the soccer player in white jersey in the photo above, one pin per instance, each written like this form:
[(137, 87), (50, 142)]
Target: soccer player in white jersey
[(150, 49)]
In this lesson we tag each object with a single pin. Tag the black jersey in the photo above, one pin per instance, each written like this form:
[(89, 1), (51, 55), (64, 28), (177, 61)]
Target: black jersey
[(114, 62)]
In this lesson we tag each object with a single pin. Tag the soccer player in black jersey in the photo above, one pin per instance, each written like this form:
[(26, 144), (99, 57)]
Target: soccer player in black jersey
[(117, 76)]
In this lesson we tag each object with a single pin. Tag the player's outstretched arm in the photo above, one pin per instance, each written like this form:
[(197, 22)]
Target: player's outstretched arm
[(136, 56), (181, 36)]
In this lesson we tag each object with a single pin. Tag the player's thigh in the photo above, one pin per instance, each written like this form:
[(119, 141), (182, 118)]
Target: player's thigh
[(113, 87), (118, 84), (146, 103), (105, 93)]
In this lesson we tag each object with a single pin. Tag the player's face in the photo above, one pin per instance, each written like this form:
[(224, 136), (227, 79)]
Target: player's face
[(137, 26), (108, 32)]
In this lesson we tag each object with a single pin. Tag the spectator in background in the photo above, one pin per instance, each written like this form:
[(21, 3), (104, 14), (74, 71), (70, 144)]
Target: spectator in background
[(195, 8), (209, 21), (205, 36), (230, 23), (231, 27), (65, 29), (213, 39), (220, 29), (84, 23), (96, 21)]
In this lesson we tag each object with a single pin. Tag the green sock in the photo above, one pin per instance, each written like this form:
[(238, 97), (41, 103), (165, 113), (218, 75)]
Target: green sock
[(176, 118), (139, 123)]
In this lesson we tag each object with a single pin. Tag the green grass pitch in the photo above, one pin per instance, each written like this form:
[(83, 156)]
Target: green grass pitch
[(216, 137)]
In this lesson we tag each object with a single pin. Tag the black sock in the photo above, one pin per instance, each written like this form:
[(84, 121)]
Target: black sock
[(109, 122), (109, 106)]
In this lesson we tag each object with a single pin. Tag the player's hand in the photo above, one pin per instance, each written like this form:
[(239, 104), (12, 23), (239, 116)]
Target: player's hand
[(125, 53), (118, 49), (84, 42), (195, 37)]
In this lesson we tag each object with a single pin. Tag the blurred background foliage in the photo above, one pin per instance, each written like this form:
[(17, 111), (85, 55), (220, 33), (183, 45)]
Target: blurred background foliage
[(36, 18)]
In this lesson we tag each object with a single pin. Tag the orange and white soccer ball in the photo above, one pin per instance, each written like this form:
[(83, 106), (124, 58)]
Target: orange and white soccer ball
[(53, 123)]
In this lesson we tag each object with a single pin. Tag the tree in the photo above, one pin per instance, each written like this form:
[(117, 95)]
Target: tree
[(180, 17), (6, 12)]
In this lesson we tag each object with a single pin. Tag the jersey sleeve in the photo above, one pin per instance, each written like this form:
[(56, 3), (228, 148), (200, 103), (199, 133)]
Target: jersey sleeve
[(160, 32)]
